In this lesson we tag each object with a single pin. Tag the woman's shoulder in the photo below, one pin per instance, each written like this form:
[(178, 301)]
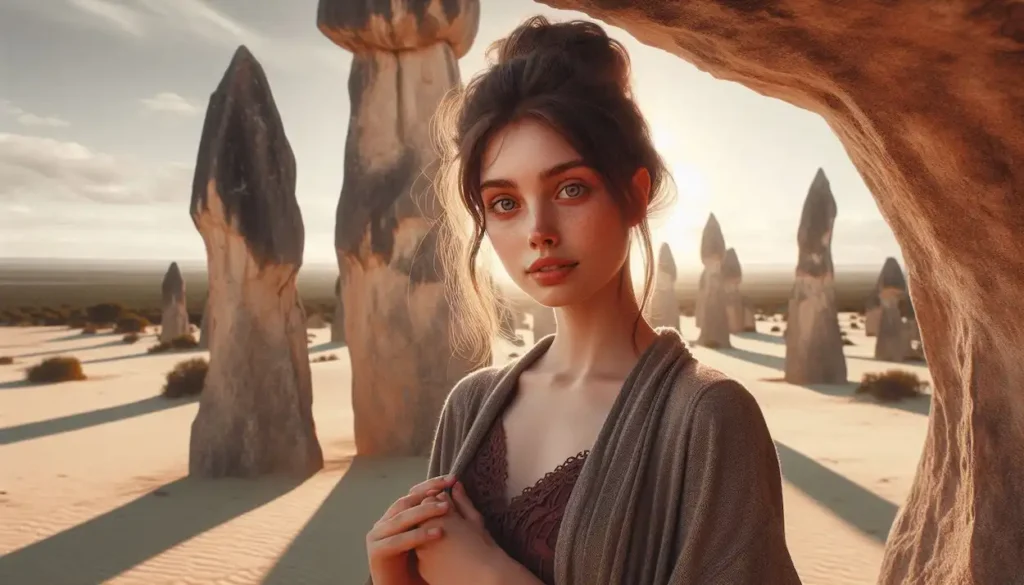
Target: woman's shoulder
[(703, 396)]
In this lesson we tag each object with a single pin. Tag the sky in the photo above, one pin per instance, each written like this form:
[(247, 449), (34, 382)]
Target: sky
[(102, 105)]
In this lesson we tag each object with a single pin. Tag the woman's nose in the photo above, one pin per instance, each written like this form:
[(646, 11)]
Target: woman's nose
[(541, 238)]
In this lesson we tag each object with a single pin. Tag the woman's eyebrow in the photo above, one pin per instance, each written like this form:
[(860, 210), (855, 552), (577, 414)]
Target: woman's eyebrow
[(548, 173)]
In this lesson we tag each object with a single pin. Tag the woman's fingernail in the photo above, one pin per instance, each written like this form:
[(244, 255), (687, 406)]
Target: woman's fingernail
[(441, 504), (433, 532)]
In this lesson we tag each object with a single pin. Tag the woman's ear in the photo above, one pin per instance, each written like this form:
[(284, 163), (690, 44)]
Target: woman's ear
[(641, 184)]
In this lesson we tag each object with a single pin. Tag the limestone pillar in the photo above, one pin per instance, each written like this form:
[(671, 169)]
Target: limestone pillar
[(255, 413), (893, 341), (732, 276), (174, 314), (872, 313), (338, 323), (814, 343), (714, 329), (664, 304), (397, 316)]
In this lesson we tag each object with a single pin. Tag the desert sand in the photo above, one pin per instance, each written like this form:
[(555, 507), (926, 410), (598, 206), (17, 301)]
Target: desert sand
[(93, 485)]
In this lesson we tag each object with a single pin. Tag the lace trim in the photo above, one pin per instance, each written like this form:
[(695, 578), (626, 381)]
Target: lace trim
[(526, 526)]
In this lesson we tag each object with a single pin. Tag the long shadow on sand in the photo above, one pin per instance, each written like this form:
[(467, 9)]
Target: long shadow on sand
[(859, 507), (765, 337), (326, 346), (762, 359), (132, 356), (74, 422), (331, 547), (70, 350), (141, 529)]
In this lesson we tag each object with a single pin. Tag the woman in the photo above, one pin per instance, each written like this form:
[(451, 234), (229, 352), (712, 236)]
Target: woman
[(606, 454)]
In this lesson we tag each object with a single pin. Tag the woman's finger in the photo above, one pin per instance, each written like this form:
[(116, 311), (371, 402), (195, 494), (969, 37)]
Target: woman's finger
[(408, 501), (435, 483), (465, 506), (404, 542), (406, 520)]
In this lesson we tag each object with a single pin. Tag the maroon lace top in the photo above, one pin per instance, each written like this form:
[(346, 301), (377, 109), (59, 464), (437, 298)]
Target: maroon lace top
[(526, 526)]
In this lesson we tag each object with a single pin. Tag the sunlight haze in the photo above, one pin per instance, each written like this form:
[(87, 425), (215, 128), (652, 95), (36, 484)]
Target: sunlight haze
[(102, 104)]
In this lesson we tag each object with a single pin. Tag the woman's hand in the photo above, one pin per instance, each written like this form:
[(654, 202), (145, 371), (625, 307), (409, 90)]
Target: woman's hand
[(401, 529), (466, 553)]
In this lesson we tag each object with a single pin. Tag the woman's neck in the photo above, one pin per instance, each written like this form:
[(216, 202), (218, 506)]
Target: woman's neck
[(600, 337)]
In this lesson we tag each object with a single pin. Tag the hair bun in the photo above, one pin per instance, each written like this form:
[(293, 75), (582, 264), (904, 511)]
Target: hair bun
[(583, 45)]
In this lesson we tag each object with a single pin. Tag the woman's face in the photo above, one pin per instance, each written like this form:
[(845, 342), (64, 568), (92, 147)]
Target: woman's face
[(550, 219)]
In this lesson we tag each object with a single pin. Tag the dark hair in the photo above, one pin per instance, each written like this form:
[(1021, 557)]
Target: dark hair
[(574, 78)]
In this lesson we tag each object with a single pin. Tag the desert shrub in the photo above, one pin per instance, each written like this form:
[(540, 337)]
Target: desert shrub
[(89, 329), (846, 341), (56, 369), (104, 312), (186, 379), (77, 321), (186, 341), (6, 360), (131, 323), (776, 329), (892, 385), (130, 338), (854, 326), (325, 358)]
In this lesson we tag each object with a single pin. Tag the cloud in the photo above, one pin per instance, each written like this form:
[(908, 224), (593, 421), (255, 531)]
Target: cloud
[(34, 169), (116, 14), (170, 102), (197, 18), (29, 119)]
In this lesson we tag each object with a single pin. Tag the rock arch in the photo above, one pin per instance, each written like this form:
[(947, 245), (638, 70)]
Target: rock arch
[(930, 115)]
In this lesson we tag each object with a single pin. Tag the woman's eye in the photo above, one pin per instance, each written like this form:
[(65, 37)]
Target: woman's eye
[(574, 190), (503, 205)]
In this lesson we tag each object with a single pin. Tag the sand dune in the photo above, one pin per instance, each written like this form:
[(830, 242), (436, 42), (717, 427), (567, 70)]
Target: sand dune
[(93, 485)]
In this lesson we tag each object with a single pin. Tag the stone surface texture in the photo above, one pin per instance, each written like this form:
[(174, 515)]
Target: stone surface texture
[(664, 304), (872, 314), (926, 99), (397, 316), (893, 340), (714, 319), (732, 277), (255, 413), (814, 344), (204, 325), (174, 314), (338, 323)]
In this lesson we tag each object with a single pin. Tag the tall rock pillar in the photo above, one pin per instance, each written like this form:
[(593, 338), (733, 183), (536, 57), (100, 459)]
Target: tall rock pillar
[(814, 343), (397, 317)]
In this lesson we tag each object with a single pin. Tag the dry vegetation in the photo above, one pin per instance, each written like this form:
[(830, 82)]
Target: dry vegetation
[(186, 379), (892, 385), (324, 358), (56, 369), (186, 341), (130, 338), (6, 360)]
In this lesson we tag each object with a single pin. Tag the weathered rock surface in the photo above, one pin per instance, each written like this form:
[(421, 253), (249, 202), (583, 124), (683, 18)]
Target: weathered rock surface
[(814, 343), (396, 310), (926, 100), (255, 414), (732, 277), (714, 320), (664, 304), (872, 314), (204, 325), (174, 314), (893, 341), (749, 316), (338, 323)]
